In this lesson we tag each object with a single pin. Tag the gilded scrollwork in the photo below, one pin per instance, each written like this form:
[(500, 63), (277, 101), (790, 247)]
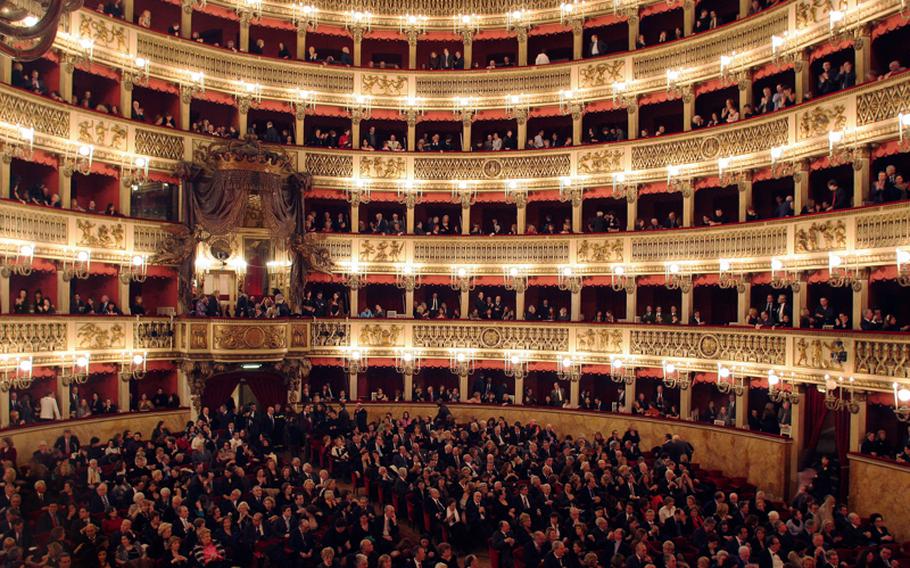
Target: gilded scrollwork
[(100, 235), (240, 337), (602, 74), (103, 34), (384, 85), (885, 358), (330, 334), (810, 12), (820, 236), (100, 336), (536, 338), (607, 250), (376, 335), (381, 251), (821, 120)]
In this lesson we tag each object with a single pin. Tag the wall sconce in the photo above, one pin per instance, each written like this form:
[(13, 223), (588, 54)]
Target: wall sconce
[(353, 278), (20, 264), (841, 274), (358, 20), (676, 279), (516, 193), (568, 279), (777, 46), (568, 368), (782, 277), (518, 20), (135, 172), (571, 190), (835, 20), (410, 24), (306, 16), (834, 395), (82, 158), (901, 403), (672, 79), (87, 45), (777, 153), (138, 73), (674, 376), (409, 193), (618, 90), (133, 366), (247, 94), (237, 264), (465, 24), (74, 368), (569, 11), (517, 107), (358, 191), (465, 108), (903, 126), (461, 362), (515, 365), (835, 138), (361, 107), (569, 103), (304, 102), (407, 277), (16, 371), (136, 270), (196, 85), (249, 9), (620, 281), (778, 392), (464, 192), (411, 110), (621, 371), (407, 361), (673, 173), (516, 278), (76, 264), (22, 142), (728, 382), (462, 278), (730, 278), (903, 267), (356, 361)]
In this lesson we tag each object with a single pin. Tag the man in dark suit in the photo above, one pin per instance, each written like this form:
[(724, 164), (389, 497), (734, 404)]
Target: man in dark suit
[(67, 444), (824, 313), (597, 47), (839, 198), (557, 395), (557, 557), (100, 502), (49, 519), (385, 530), (640, 559), (502, 542), (535, 550)]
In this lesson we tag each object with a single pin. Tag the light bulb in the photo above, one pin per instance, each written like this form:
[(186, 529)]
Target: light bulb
[(725, 265), (138, 359), (773, 379), (671, 368), (82, 361), (776, 264), (723, 372), (138, 260), (30, 21), (903, 395), (25, 365), (27, 250), (619, 270), (82, 256)]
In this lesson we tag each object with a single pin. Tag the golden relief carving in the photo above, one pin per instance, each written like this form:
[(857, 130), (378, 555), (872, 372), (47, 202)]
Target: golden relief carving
[(330, 165), (381, 251), (100, 235), (886, 358), (110, 36), (603, 340), (331, 334), (384, 85), (43, 118), (159, 145), (375, 335), (829, 235), (95, 336), (752, 347), (238, 337), (442, 336), (299, 335), (609, 250), (600, 161), (382, 168), (883, 104), (813, 11), (821, 120), (102, 134), (199, 336), (601, 74), (819, 354)]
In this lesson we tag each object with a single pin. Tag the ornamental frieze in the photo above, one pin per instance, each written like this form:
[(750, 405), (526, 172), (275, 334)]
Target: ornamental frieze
[(820, 354), (600, 161), (25, 224), (102, 133), (884, 103), (602, 74), (487, 251), (533, 338), (159, 145), (330, 334), (384, 85), (381, 251), (821, 236), (23, 336), (518, 167), (885, 358), (377, 167), (707, 245), (102, 32), (607, 250), (100, 336), (100, 235), (330, 164), (810, 12), (745, 347), (239, 337), (376, 335), (820, 120), (881, 230), (199, 336), (599, 340), (43, 118)]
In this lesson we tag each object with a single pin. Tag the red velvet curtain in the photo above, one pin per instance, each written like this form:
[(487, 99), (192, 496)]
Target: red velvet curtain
[(218, 389), (268, 389), (816, 413), (815, 416)]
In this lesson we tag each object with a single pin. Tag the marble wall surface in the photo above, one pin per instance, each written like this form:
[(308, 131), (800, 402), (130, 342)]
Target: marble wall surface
[(880, 486), (762, 460)]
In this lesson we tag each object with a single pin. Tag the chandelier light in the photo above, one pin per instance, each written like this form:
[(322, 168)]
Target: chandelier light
[(353, 275), (675, 278), (462, 278), (407, 361), (516, 192), (621, 371), (358, 191), (407, 277), (903, 267), (19, 264), (133, 366), (461, 362), (74, 368), (16, 371), (466, 24), (568, 368), (783, 277), (842, 272), (409, 193), (903, 126), (674, 376), (728, 277), (76, 264), (464, 192), (306, 16), (620, 281), (515, 277), (515, 365), (356, 361), (901, 402), (135, 269), (571, 190), (835, 399), (568, 279), (728, 382), (777, 389)]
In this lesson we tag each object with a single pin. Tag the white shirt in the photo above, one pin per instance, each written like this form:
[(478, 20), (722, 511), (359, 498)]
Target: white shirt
[(49, 409), (542, 59)]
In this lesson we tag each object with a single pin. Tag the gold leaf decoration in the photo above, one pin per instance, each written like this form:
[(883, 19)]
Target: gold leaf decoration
[(376, 335), (603, 251), (821, 120), (601, 74), (829, 235), (600, 161), (382, 251), (95, 336), (391, 86), (100, 235)]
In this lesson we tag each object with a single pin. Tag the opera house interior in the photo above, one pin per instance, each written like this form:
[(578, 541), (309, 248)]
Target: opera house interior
[(480, 284)]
